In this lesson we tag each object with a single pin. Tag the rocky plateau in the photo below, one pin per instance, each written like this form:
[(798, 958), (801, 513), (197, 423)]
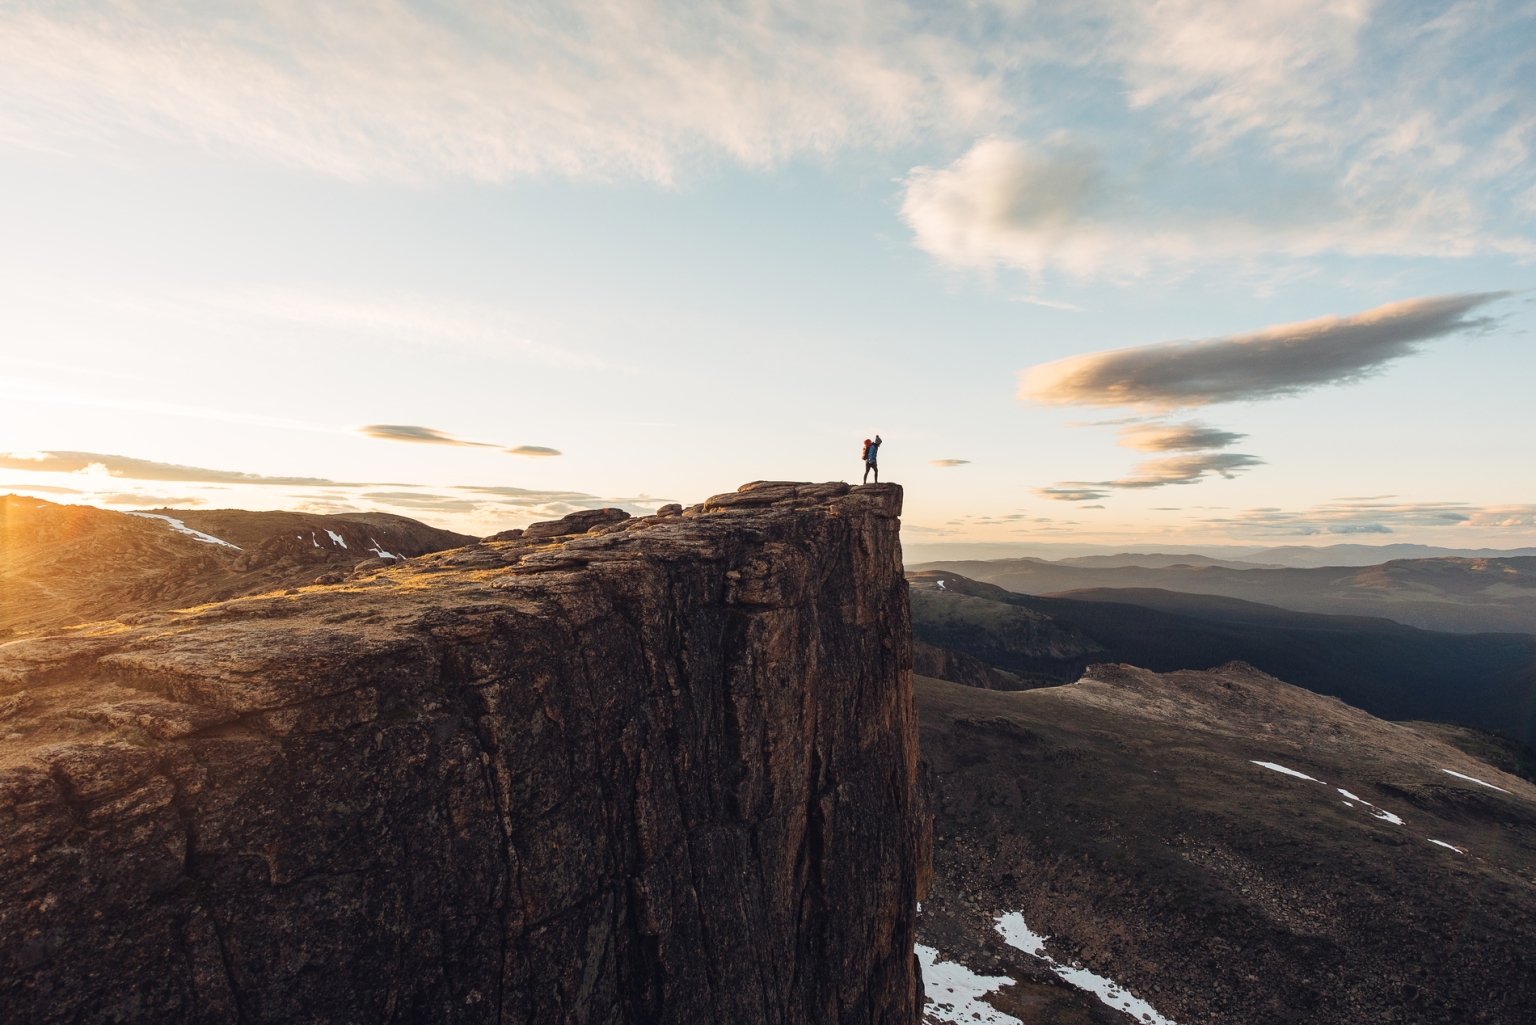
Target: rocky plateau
[(661, 769)]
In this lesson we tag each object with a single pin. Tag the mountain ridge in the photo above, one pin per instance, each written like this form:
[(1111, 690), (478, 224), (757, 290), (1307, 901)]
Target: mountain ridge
[(1446, 594)]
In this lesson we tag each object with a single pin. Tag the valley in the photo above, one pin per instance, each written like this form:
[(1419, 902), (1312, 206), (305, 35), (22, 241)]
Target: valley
[(1390, 670), (1224, 847)]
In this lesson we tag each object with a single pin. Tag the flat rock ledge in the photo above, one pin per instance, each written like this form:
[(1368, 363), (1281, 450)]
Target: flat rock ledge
[(664, 770)]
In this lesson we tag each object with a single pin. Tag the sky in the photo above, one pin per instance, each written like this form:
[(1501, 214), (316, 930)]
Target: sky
[(1174, 273)]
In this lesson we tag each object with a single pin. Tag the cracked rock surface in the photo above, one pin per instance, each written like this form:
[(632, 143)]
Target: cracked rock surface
[(664, 770)]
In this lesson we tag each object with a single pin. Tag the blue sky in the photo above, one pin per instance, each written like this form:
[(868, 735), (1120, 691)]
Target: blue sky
[(688, 246)]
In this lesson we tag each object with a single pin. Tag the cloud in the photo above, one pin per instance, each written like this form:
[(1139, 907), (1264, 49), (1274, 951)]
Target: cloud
[(1005, 203), (144, 501), (432, 436), (1009, 204), (417, 435), (1072, 493), (45, 488), (1363, 528), (430, 321), (485, 90), (1282, 360), (1369, 516), (1055, 304), (527, 495), (423, 501), (948, 462), (139, 469), (1154, 473), (1186, 469), (1359, 126), (1158, 436)]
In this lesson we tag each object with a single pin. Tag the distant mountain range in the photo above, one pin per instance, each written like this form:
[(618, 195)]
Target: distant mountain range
[(1390, 670), (1461, 595), (61, 565), (1235, 556)]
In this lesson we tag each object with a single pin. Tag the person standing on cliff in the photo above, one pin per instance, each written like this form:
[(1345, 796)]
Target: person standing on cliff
[(871, 451)]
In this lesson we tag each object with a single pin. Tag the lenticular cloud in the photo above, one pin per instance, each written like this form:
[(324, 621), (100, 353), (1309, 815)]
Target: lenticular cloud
[(1280, 360)]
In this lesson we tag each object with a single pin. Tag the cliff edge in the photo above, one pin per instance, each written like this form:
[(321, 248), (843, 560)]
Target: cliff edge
[(664, 771)]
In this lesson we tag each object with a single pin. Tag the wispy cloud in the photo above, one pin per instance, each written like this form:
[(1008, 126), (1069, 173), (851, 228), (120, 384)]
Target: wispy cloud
[(1159, 436), (1282, 360), (1154, 473), (487, 91), (1054, 304), (1067, 492), (144, 500), (1011, 204), (1184, 469), (1386, 128), (47, 489), (109, 480), (1366, 516), (948, 462), (139, 469), (432, 322), (1351, 128), (417, 435)]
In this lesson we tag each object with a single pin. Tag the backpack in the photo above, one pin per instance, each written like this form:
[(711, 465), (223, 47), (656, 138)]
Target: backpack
[(865, 454)]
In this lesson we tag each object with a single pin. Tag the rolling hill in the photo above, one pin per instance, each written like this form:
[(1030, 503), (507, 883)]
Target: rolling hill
[(66, 564)]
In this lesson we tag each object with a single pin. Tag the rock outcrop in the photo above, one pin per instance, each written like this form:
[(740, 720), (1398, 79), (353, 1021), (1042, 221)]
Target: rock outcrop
[(664, 771)]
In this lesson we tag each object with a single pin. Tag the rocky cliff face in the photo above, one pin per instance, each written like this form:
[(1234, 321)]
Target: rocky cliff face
[(665, 771)]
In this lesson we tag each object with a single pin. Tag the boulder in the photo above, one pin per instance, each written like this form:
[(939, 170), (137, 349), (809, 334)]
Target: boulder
[(578, 522)]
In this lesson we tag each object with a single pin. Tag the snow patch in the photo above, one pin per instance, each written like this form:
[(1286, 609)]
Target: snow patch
[(1442, 843), (1289, 772), (1474, 779), (376, 550), (1018, 935), (181, 528), (955, 992), (337, 539), (1380, 813)]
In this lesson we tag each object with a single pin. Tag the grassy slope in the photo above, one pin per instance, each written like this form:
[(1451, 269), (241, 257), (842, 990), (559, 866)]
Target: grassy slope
[(1145, 842)]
